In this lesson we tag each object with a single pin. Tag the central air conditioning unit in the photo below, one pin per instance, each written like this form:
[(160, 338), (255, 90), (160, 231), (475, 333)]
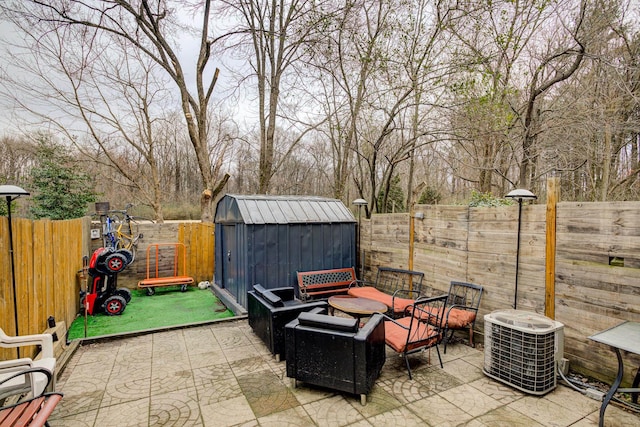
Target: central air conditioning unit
[(522, 349)]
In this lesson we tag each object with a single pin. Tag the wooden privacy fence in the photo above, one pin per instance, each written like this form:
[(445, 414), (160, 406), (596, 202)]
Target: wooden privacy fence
[(48, 260), (47, 255), (595, 269)]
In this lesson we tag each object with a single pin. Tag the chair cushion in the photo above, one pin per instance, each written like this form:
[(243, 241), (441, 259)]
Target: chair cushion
[(398, 304), (396, 336), (426, 313), (459, 318), (324, 321)]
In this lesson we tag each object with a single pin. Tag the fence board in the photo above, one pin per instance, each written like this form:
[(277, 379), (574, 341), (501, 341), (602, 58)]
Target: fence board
[(40, 285), (23, 246), (197, 237), (41, 293), (479, 245), (48, 257), (451, 242)]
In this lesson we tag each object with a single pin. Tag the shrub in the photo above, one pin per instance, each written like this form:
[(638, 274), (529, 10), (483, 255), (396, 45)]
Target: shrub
[(479, 199)]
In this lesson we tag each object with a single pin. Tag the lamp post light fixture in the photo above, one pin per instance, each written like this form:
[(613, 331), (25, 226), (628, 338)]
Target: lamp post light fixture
[(360, 203), (519, 195), (12, 192)]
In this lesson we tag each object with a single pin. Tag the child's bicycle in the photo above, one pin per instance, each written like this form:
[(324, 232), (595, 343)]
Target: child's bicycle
[(121, 231)]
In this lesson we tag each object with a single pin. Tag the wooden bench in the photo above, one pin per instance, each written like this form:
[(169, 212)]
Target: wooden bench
[(325, 283), (32, 412), (394, 287)]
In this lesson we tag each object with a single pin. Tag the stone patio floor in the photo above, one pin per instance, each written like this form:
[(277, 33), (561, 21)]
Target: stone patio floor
[(221, 374)]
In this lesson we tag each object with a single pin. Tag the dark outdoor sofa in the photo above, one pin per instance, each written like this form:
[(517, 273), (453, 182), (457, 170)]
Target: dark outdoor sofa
[(335, 352), (271, 309)]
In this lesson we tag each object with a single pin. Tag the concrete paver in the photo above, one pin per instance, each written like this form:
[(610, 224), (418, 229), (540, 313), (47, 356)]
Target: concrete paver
[(222, 375)]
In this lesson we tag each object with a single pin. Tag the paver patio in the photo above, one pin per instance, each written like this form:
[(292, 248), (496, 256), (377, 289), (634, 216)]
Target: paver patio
[(221, 374)]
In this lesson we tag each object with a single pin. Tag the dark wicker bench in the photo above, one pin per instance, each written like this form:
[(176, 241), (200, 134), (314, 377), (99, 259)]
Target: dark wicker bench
[(322, 284)]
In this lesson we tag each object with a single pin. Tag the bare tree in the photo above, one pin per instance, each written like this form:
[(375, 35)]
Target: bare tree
[(555, 67), (420, 53), (374, 70), (596, 116), (147, 26), (272, 34), (113, 99), (348, 96), (347, 58), (18, 155), (511, 49)]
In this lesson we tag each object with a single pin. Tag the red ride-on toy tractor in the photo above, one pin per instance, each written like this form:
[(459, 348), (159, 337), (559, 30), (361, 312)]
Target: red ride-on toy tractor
[(102, 293)]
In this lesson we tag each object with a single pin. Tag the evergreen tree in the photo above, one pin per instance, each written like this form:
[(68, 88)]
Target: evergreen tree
[(61, 189), (430, 196), (395, 199)]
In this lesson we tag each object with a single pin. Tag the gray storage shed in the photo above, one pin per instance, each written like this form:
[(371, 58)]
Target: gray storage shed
[(267, 239)]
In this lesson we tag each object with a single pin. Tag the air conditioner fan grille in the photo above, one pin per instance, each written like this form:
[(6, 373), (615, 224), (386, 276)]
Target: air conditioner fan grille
[(524, 359)]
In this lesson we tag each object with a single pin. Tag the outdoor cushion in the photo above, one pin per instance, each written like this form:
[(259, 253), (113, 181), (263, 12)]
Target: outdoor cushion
[(397, 304), (459, 318), (328, 322), (291, 303), (396, 336)]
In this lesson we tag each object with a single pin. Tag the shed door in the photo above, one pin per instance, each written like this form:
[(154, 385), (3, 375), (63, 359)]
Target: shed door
[(229, 260)]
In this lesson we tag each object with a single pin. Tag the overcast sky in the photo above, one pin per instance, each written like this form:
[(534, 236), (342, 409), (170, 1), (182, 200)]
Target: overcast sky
[(13, 121)]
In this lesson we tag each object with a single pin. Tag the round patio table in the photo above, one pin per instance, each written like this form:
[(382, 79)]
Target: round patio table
[(356, 306)]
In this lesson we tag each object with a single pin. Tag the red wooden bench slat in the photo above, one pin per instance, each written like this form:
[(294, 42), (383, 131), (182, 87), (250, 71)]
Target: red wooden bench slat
[(34, 412), (46, 410), (21, 414)]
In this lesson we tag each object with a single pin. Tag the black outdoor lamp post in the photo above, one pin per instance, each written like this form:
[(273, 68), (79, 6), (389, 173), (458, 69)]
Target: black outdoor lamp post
[(12, 192), (360, 203), (519, 195)]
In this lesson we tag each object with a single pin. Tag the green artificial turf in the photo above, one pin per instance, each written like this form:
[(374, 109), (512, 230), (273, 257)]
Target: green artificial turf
[(168, 307)]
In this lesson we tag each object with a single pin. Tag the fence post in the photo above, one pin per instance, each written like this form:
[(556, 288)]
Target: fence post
[(412, 233), (412, 221), (553, 190)]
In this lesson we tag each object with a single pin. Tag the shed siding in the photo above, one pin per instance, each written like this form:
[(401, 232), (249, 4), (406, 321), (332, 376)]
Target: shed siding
[(275, 237)]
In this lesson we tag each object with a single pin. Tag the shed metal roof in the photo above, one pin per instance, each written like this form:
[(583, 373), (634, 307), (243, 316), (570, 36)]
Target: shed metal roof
[(265, 209)]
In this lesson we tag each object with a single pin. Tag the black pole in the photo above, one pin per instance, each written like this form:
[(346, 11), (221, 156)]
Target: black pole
[(515, 299), (360, 242), (13, 271)]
